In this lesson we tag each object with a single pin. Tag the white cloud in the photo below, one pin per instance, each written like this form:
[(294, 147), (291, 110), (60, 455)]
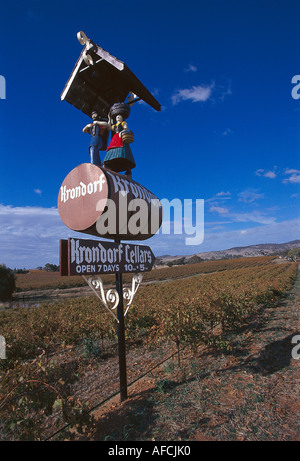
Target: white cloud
[(38, 191), (219, 197), (29, 236), (259, 172), (223, 194), (200, 93), (218, 239), (249, 196), (191, 68), (294, 176), (252, 216), (291, 171), (273, 232), (267, 174), (270, 174), (226, 132), (218, 209), (245, 217)]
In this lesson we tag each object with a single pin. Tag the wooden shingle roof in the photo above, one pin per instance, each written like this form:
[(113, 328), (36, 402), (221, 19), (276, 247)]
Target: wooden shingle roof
[(103, 81)]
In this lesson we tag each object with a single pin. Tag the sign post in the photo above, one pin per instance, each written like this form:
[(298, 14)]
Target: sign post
[(94, 257), (96, 199), (121, 339)]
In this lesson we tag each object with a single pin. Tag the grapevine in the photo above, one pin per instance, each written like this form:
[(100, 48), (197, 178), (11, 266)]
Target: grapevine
[(188, 311)]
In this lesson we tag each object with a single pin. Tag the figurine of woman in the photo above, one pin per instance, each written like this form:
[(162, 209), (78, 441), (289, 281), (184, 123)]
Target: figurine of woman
[(119, 155), (98, 131)]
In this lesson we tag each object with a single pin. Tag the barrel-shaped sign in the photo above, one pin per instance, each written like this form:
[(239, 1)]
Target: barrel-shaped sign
[(100, 202)]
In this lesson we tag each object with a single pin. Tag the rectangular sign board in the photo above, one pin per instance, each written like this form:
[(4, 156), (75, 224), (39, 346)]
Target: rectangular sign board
[(93, 257)]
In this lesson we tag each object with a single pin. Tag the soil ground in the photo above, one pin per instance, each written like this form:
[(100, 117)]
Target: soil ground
[(248, 393)]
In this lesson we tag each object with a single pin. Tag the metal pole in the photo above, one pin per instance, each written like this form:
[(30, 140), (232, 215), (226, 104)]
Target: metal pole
[(121, 337)]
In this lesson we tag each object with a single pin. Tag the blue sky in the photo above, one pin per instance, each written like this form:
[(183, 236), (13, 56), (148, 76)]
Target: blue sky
[(228, 131)]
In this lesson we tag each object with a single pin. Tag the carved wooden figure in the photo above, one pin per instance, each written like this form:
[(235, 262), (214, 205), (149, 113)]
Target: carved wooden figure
[(119, 156), (98, 131)]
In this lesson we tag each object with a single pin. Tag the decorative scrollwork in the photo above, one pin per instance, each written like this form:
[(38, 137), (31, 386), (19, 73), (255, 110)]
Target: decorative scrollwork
[(128, 294), (111, 298)]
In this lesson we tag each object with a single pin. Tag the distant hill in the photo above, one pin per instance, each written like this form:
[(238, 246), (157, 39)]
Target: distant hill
[(263, 249)]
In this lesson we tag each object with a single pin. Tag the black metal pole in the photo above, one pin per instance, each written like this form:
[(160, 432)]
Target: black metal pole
[(121, 339)]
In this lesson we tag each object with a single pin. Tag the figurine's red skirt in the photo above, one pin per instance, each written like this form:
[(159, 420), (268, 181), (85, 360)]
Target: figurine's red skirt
[(118, 156), (116, 141)]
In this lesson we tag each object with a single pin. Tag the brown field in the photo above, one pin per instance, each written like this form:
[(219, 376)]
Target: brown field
[(208, 358), (40, 280)]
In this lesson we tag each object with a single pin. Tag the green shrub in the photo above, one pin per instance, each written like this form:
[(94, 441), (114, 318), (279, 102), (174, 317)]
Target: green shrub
[(7, 283)]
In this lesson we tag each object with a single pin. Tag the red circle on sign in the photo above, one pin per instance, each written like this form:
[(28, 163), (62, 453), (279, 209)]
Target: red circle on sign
[(82, 196)]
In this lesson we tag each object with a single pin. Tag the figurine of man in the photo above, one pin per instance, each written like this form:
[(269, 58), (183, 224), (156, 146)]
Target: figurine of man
[(99, 134)]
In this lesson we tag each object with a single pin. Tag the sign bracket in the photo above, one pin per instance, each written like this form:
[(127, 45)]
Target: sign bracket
[(111, 298), (129, 294)]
